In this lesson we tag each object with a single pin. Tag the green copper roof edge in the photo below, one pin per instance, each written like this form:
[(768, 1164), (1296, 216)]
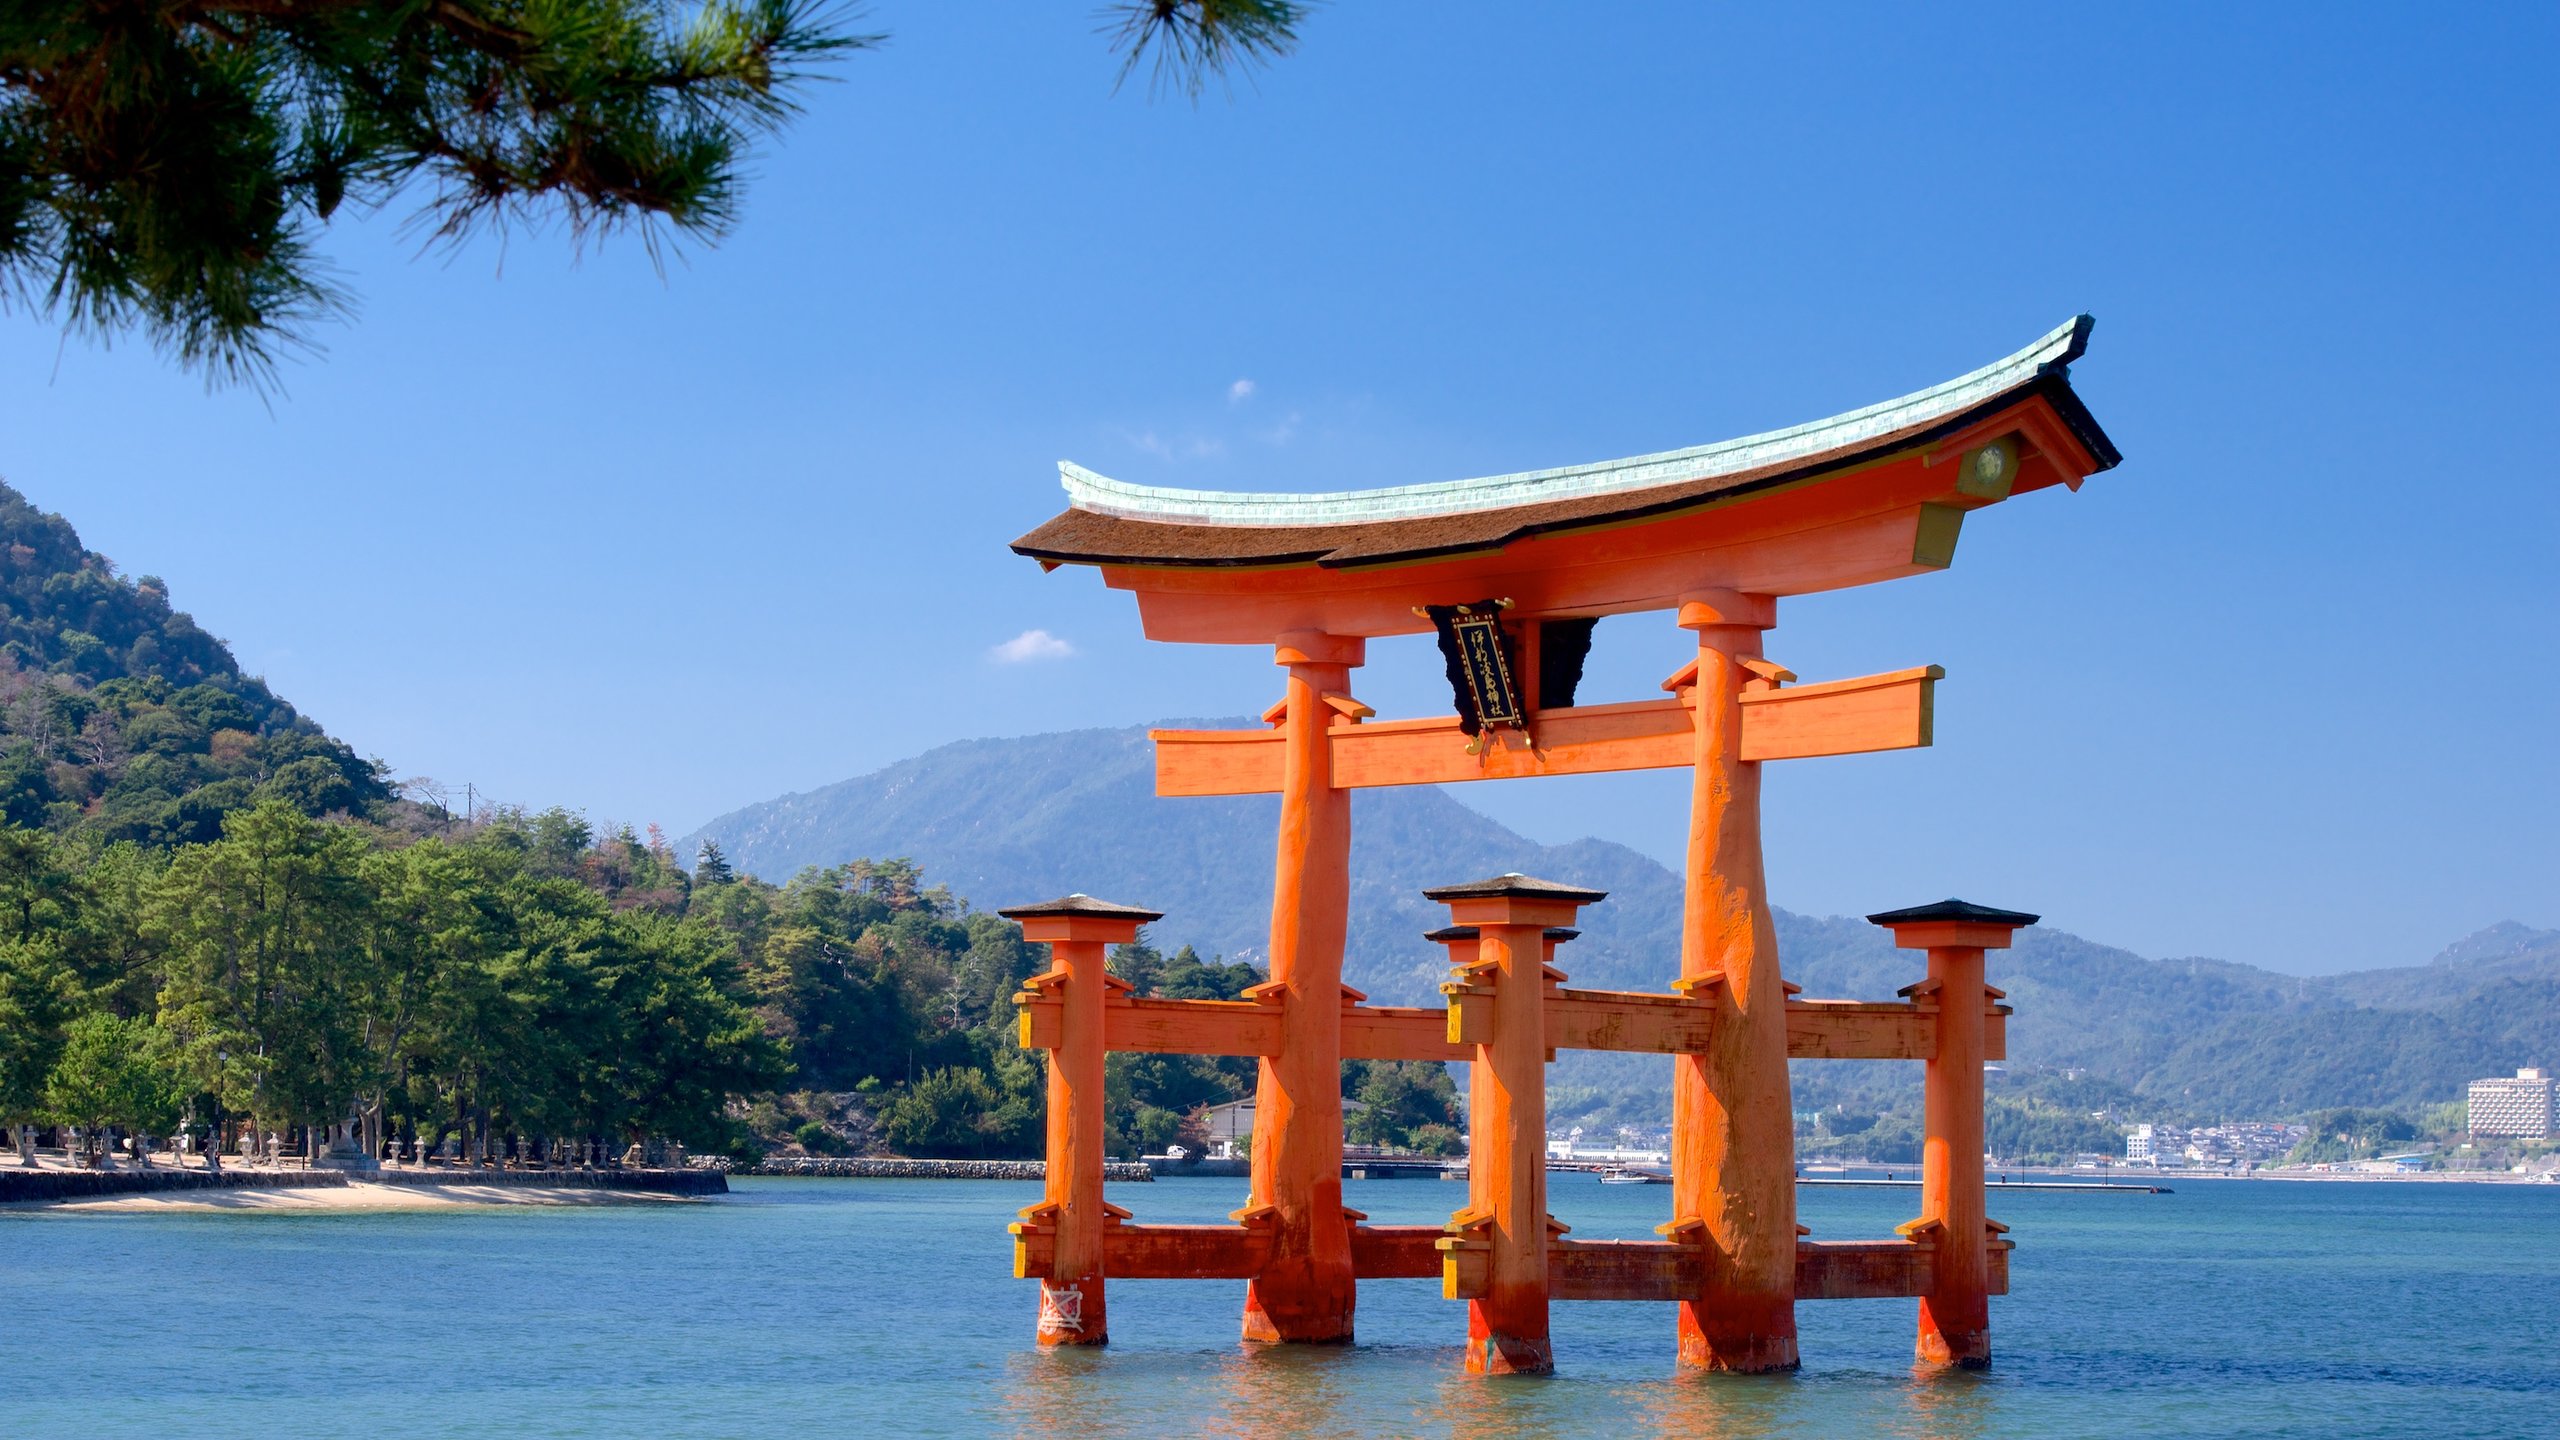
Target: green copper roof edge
[(1101, 495)]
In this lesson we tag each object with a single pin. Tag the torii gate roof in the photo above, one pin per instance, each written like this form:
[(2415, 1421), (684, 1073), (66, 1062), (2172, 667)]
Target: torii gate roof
[(1835, 502)]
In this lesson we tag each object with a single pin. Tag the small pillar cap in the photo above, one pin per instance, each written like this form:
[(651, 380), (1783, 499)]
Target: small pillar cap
[(1516, 886), (1081, 904), (1451, 934), (1960, 912)]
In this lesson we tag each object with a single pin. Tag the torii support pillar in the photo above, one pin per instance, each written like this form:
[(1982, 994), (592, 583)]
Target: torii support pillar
[(1306, 1292), (1955, 1315), (1732, 1121), (1078, 931), (1461, 942), (1505, 1226)]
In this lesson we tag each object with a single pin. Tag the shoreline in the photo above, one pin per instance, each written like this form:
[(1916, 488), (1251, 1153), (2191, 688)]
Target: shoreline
[(172, 1189), (360, 1196)]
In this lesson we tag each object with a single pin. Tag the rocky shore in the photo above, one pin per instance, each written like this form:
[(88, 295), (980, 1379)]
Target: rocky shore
[(838, 1167)]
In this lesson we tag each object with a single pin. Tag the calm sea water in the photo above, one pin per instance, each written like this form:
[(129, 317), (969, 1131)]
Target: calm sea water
[(811, 1308)]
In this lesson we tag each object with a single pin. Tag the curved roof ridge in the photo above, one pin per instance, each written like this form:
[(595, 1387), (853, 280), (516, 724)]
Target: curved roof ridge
[(1101, 495)]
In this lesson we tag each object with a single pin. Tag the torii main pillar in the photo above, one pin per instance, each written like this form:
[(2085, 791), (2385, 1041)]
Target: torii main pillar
[(1305, 1291), (1732, 1119)]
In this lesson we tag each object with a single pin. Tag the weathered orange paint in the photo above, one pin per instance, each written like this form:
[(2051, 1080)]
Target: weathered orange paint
[(1396, 1252), (1306, 1291), (1506, 1153), (1732, 1125), (1466, 952), (1072, 1308), (1955, 1316), (1397, 1032)]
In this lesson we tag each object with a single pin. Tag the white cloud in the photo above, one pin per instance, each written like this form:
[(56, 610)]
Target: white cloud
[(1031, 645), (1239, 392)]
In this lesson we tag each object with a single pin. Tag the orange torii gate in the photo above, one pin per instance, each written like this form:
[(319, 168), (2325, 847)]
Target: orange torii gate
[(1715, 534)]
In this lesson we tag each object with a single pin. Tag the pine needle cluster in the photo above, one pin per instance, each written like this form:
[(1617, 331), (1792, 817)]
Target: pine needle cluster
[(165, 163)]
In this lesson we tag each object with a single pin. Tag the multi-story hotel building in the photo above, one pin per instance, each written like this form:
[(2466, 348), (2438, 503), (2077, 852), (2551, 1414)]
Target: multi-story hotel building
[(2520, 1107)]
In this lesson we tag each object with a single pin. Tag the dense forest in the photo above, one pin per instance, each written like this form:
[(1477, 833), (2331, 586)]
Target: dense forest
[(526, 980)]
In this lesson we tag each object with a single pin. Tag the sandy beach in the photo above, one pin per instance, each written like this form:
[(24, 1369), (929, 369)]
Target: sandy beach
[(358, 1196)]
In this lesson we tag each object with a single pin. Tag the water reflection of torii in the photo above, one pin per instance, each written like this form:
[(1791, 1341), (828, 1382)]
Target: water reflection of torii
[(1715, 534)]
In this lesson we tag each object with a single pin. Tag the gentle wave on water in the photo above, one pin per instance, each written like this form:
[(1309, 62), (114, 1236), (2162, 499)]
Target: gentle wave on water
[(814, 1308)]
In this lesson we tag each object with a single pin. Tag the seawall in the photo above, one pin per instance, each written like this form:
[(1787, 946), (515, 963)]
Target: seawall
[(838, 1167), (655, 1182), (18, 1185)]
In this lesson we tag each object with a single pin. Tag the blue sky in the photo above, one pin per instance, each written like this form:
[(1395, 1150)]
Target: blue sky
[(2280, 689)]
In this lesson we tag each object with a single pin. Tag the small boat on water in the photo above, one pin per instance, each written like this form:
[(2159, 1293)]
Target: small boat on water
[(1629, 1175)]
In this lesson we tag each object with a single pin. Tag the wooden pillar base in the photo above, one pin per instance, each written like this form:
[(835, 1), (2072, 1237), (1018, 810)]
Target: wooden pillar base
[(1739, 1334), (1492, 1353), (1297, 1302), (1071, 1313), (1948, 1337)]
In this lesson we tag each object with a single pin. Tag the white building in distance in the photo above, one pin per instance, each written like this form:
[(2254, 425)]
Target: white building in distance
[(2520, 1107)]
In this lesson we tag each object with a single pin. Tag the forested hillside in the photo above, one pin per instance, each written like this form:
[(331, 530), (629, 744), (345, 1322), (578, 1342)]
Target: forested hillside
[(121, 718)]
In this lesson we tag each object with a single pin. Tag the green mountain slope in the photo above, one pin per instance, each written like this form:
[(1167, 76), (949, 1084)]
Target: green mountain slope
[(122, 718), (1005, 822)]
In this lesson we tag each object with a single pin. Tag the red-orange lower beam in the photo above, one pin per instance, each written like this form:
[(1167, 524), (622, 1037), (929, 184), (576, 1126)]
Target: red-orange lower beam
[(1230, 1252), (1825, 1270), (1879, 1269), (1577, 1269), (1185, 1252), (1157, 1252), (1396, 1252)]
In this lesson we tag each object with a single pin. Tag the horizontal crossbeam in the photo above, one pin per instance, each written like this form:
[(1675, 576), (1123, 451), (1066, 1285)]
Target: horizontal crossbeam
[(1629, 1021), (1838, 717), (1161, 1027), (1665, 1270), (1225, 1252), (1577, 1269)]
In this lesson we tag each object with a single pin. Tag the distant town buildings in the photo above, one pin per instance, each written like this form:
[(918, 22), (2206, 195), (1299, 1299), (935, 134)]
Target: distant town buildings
[(2248, 1143), (2521, 1107)]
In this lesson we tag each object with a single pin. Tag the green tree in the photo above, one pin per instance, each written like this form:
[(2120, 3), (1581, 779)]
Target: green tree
[(1396, 1099), (690, 1046), (956, 1113), (435, 926), (264, 939), (108, 1075), (35, 1004), (710, 867), (2350, 1133)]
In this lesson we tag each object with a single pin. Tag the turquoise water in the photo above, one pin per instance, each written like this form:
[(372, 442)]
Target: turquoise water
[(812, 1308)]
